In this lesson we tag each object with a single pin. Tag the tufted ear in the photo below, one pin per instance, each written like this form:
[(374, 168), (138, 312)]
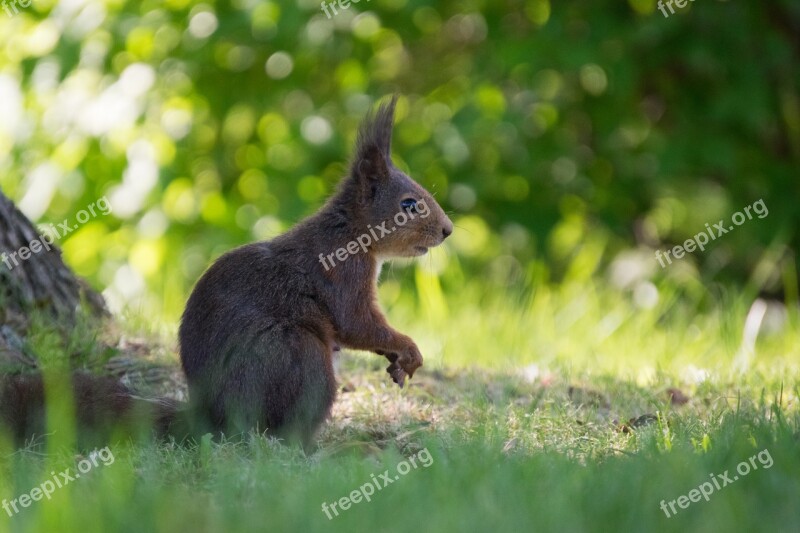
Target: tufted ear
[(373, 148), (371, 166)]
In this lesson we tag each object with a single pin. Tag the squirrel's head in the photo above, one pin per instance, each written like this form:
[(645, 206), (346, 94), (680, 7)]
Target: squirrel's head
[(402, 218)]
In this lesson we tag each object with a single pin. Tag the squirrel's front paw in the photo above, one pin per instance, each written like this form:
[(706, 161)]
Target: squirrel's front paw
[(410, 360), (397, 373), (403, 364)]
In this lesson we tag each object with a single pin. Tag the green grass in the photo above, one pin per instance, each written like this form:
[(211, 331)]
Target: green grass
[(525, 404)]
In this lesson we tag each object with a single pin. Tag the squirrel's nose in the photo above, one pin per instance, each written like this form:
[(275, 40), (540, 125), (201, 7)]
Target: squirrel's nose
[(447, 230)]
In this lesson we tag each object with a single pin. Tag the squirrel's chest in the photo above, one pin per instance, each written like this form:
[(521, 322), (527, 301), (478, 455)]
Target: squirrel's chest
[(378, 268)]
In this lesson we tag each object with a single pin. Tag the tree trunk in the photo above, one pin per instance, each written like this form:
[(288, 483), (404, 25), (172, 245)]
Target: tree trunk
[(42, 283)]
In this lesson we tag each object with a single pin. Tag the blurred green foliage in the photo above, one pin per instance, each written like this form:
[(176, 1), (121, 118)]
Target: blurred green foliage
[(560, 135)]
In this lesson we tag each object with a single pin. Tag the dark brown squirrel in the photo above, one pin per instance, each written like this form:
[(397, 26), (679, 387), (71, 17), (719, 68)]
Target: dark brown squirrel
[(260, 329)]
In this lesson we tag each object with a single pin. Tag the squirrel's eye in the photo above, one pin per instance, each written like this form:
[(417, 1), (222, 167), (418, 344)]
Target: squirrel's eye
[(409, 204)]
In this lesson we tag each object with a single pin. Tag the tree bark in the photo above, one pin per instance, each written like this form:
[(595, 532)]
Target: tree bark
[(42, 283)]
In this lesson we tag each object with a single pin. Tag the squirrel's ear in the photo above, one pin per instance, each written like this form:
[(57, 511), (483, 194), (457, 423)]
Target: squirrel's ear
[(373, 148), (371, 165)]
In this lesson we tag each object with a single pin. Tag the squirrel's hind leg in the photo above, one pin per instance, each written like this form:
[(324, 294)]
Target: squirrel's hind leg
[(282, 382), (312, 385)]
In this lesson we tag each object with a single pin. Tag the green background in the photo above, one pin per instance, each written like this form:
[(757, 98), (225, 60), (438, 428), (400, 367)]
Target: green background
[(560, 137)]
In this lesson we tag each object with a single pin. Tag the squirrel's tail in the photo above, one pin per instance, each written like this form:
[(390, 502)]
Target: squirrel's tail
[(104, 408), (168, 418)]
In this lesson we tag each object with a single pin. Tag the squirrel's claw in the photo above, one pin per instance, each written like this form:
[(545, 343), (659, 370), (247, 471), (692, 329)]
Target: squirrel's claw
[(397, 373)]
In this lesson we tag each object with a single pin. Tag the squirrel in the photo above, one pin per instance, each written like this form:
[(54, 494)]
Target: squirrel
[(259, 332), (260, 329)]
